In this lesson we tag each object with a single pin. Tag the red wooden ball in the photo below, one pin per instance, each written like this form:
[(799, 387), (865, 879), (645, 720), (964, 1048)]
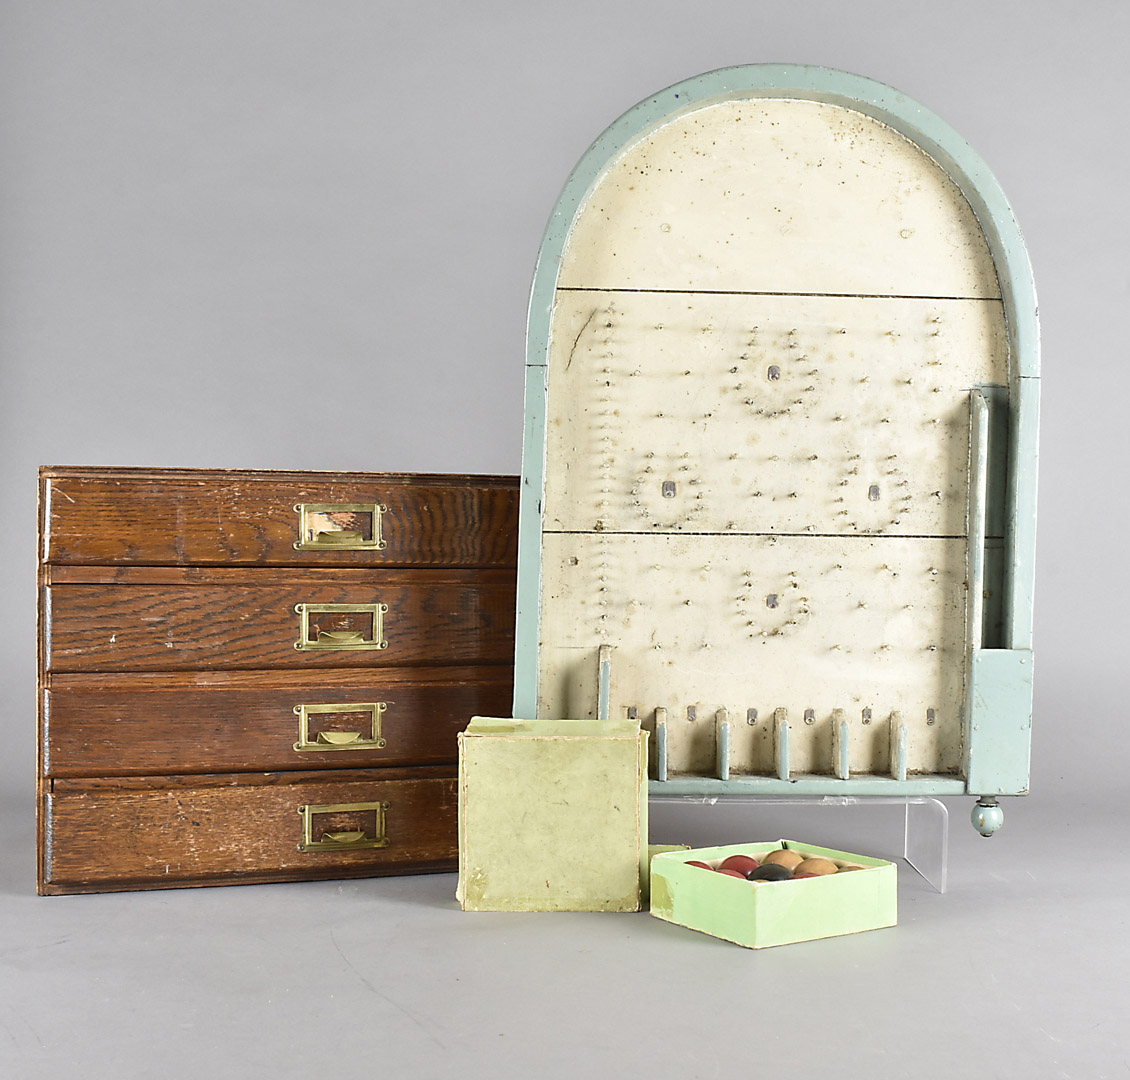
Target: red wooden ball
[(732, 873), (695, 862), (742, 863)]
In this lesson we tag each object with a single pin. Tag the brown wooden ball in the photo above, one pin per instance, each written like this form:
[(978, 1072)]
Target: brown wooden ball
[(790, 860), (816, 865)]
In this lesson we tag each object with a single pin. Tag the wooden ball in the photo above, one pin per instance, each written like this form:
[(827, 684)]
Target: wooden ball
[(732, 873), (742, 863), (790, 860), (816, 865), (695, 862), (770, 872)]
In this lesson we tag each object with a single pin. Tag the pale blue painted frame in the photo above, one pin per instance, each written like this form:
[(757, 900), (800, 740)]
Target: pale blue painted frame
[(998, 709)]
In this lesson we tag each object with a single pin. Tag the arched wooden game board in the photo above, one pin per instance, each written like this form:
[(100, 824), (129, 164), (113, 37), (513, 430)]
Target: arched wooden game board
[(779, 466)]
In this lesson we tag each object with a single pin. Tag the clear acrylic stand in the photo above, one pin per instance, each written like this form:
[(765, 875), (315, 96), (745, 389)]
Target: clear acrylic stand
[(915, 828)]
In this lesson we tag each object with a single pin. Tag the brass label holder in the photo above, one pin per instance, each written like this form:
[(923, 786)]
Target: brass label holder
[(347, 839), (311, 636), (334, 526), (340, 740)]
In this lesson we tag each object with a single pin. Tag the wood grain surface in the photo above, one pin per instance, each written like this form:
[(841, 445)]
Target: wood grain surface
[(239, 517), (168, 674), (163, 833), (145, 724), (167, 628)]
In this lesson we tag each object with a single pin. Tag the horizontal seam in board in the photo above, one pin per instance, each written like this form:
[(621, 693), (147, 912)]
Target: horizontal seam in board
[(825, 536), (758, 292)]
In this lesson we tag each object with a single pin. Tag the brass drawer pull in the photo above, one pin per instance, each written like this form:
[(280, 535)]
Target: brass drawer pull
[(343, 839), (340, 637), (341, 626), (340, 526), (340, 740), (336, 739)]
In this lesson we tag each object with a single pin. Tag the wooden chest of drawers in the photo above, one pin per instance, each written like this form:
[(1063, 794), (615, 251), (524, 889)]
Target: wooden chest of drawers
[(259, 676)]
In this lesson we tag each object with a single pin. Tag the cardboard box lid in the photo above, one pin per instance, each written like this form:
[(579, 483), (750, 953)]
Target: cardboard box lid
[(554, 729), (552, 815)]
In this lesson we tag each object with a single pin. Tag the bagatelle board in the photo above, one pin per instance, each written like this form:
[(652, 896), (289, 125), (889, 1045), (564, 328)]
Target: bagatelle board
[(779, 467)]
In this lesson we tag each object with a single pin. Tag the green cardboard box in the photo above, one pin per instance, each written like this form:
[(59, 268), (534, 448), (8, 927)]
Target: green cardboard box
[(762, 914), (552, 815)]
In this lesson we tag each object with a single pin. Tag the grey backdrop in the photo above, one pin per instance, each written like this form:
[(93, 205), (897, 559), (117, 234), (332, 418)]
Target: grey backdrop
[(224, 223)]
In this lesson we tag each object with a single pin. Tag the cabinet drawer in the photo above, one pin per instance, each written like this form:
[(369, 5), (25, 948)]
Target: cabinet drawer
[(145, 724), (165, 832), (184, 517), (220, 621)]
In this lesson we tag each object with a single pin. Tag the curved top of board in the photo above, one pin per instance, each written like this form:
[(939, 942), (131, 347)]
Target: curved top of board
[(952, 262), (815, 184)]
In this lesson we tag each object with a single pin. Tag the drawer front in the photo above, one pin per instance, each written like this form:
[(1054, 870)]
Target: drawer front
[(227, 830), (210, 517), (139, 725), (136, 627)]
